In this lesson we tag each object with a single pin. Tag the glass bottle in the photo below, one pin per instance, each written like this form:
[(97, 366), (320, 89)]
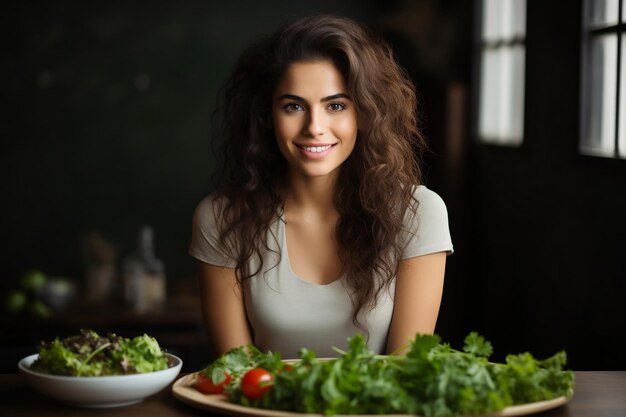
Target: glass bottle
[(144, 275)]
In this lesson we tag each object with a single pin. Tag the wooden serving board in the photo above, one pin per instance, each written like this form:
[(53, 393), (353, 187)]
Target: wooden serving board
[(184, 391)]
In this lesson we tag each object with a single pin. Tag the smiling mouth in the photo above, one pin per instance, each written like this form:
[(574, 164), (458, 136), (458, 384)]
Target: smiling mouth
[(315, 149)]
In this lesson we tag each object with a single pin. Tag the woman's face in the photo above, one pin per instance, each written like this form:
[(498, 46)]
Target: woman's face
[(315, 121)]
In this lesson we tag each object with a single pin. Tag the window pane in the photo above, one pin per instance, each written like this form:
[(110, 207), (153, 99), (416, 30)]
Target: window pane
[(518, 18), (503, 19), (603, 12), (491, 19), (600, 135), (501, 105), (622, 102), (488, 106)]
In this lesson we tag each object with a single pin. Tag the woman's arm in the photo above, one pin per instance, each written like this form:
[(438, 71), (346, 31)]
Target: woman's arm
[(419, 288), (222, 308)]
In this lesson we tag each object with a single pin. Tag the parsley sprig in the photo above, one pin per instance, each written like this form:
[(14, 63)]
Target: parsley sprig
[(432, 379)]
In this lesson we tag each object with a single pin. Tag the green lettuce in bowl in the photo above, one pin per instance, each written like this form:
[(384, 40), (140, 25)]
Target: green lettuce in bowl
[(89, 354)]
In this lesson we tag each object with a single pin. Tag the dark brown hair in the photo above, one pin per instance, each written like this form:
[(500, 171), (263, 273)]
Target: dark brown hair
[(376, 183)]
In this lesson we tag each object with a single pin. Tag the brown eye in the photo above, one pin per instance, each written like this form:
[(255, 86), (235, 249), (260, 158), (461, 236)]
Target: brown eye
[(335, 107), (293, 107)]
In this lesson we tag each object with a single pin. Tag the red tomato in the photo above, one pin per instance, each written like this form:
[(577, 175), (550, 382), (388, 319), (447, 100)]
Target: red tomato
[(205, 384), (256, 382)]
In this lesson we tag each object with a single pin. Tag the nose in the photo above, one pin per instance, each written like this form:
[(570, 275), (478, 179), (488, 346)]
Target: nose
[(314, 125)]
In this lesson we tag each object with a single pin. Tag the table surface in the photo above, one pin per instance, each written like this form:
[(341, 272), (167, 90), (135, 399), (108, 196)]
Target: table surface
[(597, 394)]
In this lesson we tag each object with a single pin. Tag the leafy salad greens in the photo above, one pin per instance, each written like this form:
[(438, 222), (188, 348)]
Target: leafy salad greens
[(89, 354), (433, 379)]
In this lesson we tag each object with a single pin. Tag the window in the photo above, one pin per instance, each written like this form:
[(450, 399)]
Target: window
[(604, 79), (502, 60)]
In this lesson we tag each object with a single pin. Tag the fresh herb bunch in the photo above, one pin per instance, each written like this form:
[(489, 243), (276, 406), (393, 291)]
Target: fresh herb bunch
[(89, 354), (432, 380)]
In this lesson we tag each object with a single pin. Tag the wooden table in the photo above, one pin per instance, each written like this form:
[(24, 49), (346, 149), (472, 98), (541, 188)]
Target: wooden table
[(597, 394)]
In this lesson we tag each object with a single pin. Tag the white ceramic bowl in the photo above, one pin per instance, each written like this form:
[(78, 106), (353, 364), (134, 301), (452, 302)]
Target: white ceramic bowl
[(100, 391)]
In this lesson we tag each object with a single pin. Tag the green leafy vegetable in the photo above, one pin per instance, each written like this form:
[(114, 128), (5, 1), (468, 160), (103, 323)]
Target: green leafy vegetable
[(90, 354), (433, 379)]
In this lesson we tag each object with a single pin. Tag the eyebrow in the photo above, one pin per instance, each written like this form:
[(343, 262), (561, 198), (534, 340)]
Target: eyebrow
[(324, 99)]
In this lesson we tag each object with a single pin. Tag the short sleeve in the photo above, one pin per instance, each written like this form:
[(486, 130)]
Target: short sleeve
[(205, 244), (427, 230)]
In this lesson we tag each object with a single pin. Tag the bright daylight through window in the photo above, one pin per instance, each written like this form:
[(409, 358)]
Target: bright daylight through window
[(604, 79), (502, 60)]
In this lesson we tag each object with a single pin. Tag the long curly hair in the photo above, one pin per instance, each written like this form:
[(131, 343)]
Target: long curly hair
[(376, 182)]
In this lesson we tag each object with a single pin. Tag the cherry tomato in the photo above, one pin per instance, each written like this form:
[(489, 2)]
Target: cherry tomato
[(256, 382), (205, 384)]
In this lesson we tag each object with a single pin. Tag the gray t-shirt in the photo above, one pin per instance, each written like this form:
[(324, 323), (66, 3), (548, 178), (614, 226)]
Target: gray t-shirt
[(287, 313)]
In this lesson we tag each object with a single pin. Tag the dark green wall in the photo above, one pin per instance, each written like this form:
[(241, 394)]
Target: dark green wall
[(109, 123)]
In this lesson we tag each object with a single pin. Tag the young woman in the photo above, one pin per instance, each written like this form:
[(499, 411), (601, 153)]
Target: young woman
[(320, 227)]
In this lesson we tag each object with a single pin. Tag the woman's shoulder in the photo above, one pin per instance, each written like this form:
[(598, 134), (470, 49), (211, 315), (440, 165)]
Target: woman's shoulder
[(209, 208), (427, 229), (431, 212), (428, 199)]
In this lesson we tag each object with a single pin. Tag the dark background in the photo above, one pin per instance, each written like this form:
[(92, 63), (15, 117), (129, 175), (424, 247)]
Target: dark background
[(108, 128)]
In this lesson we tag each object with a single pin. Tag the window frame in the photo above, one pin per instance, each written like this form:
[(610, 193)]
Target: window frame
[(588, 33), (481, 45)]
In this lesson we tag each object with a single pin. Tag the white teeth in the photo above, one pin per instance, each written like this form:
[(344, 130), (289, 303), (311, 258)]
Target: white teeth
[(316, 148)]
